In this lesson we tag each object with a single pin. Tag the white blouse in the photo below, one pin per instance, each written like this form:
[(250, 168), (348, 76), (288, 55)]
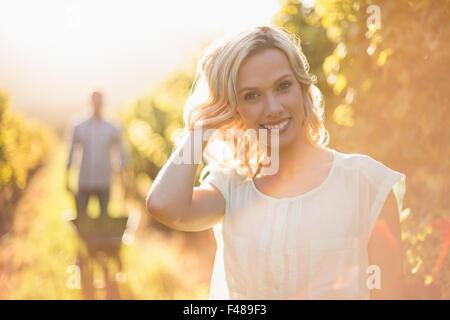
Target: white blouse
[(311, 246)]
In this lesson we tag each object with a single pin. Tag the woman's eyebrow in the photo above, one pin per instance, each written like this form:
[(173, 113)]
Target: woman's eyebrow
[(253, 88)]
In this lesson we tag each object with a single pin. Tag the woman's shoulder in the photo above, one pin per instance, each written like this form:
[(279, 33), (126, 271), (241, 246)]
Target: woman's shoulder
[(366, 166), (213, 169), (353, 161), (227, 180)]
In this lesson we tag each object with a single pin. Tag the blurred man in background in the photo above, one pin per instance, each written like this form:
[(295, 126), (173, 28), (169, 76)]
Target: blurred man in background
[(97, 137)]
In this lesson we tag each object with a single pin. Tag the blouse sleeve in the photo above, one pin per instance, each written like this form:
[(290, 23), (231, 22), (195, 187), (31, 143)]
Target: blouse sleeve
[(377, 182), (220, 178)]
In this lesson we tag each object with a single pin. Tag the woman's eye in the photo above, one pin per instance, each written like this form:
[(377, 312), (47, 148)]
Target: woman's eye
[(285, 85), (250, 96)]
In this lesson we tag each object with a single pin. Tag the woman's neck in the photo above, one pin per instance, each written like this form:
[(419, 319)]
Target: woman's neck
[(298, 157)]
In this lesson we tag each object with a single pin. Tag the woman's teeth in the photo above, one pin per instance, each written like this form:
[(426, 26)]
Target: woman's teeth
[(279, 126)]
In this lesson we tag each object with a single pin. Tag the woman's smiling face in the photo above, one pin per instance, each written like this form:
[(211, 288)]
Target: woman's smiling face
[(269, 96)]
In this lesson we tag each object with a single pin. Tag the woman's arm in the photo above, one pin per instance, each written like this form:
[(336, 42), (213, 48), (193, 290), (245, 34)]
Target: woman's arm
[(173, 200), (385, 251)]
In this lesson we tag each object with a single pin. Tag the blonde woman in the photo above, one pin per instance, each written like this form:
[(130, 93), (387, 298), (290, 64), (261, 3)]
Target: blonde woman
[(325, 225)]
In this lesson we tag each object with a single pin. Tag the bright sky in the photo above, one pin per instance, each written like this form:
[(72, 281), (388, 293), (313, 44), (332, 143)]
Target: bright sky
[(53, 53)]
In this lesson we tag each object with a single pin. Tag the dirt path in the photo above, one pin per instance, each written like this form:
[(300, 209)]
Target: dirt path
[(12, 259), (29, 248)]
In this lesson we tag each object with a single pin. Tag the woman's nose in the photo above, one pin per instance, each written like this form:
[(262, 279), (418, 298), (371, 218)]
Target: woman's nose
[(273, 108)]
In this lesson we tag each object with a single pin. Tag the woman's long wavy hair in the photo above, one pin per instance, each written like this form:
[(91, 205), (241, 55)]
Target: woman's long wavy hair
[(212, 102)]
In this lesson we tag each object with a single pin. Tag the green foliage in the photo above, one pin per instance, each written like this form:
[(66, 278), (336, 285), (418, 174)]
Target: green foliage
[(23, 146), (389, 88)]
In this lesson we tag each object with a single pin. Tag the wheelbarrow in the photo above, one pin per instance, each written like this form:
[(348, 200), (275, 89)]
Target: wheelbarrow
[(99, 250)]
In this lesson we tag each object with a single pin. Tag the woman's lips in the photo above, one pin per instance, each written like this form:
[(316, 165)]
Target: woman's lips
[(282, 125)]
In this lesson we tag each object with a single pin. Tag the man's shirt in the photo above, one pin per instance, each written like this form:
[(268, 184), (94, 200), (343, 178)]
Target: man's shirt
[(97, 138)]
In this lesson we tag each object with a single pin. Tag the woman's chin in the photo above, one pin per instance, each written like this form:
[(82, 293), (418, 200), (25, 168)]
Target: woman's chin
[(284, 141)]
